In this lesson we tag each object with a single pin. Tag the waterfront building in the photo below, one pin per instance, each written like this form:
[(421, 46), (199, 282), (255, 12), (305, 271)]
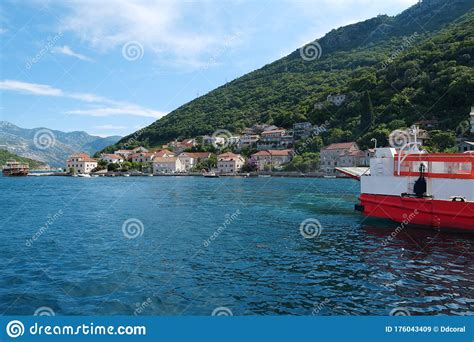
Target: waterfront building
[(191, 159), (230, 162), (167, 165), (272, 159), (80, 163), (112, 158), (340, 154)]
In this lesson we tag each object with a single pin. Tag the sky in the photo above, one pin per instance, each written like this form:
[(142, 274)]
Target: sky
[(111, 67)]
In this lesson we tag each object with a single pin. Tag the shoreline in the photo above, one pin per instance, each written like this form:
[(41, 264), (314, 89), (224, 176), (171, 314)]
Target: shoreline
[(198, 174)]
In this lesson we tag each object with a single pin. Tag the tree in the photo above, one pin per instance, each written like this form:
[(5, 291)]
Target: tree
[(113, 167), (441, 141), (367, 115)]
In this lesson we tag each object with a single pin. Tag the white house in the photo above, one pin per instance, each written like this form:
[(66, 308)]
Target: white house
[(112, 158), (81, 163), (229, 162), (190, 159), (167, 165)]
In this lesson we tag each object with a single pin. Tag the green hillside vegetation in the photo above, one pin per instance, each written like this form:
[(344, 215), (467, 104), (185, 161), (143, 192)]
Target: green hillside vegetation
[(34, 164), (393, 71)]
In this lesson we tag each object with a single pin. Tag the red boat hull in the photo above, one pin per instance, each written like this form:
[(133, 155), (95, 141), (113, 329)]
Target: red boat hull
[(437, 214)]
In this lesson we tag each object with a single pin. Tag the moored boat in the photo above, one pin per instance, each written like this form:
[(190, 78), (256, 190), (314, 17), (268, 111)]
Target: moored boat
[(14, 168), (413, 187)]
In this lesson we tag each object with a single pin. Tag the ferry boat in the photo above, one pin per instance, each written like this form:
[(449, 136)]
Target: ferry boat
[(14, 168), (413, 187)]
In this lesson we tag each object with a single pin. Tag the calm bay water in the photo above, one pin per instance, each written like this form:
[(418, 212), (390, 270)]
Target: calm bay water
[(210, 243)]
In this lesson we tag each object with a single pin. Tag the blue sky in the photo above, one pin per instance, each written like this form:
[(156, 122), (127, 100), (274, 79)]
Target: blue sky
[(111, 67)]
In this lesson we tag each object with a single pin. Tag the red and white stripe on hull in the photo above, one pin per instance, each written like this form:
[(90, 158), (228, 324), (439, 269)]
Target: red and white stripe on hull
[(438, 214)]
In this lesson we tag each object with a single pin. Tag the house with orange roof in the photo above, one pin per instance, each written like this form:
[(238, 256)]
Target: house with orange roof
[(230, 162), (80, 163), (272, 159)]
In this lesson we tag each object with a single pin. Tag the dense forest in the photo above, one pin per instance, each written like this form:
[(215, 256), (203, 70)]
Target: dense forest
[(394, 72)]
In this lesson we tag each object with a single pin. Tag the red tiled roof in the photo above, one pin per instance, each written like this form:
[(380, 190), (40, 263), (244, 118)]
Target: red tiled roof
[(161, 153), (340, 146), (274, 153)]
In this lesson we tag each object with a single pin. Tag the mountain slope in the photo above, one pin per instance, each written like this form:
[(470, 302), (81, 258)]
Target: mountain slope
[(417, 65), (34, 164), (49, 146)]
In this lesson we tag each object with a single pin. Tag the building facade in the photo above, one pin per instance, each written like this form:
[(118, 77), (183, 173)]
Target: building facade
[(340, 154), (81, 163), (272, 159), (112, 158), (167, 165), (230, 162)]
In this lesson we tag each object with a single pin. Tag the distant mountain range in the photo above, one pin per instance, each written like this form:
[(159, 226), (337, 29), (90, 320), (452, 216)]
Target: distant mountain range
[(394, 71), (49, 146)]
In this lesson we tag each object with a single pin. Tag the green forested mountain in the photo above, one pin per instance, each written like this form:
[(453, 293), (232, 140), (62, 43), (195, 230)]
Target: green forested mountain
[(34, 164), (394, 71)]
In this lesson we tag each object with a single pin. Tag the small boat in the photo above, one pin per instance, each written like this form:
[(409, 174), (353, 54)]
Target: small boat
[(84, 175), (14, 168), (329, 177), (264, 176), (150, 175), (126, 175), (211, 174)]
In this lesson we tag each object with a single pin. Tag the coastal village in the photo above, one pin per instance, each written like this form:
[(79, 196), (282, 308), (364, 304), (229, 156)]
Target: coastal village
[(260, 149)]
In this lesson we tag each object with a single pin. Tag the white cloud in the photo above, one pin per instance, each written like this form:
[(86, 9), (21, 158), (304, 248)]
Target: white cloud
[(169, 30), (31, 88), (113, 111), (112, 107), (66, 50)]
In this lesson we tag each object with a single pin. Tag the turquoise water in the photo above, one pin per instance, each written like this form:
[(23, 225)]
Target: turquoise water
[(199, 244)]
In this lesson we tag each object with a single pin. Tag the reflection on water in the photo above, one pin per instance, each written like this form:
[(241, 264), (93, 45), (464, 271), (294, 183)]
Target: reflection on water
[(258, 263)]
